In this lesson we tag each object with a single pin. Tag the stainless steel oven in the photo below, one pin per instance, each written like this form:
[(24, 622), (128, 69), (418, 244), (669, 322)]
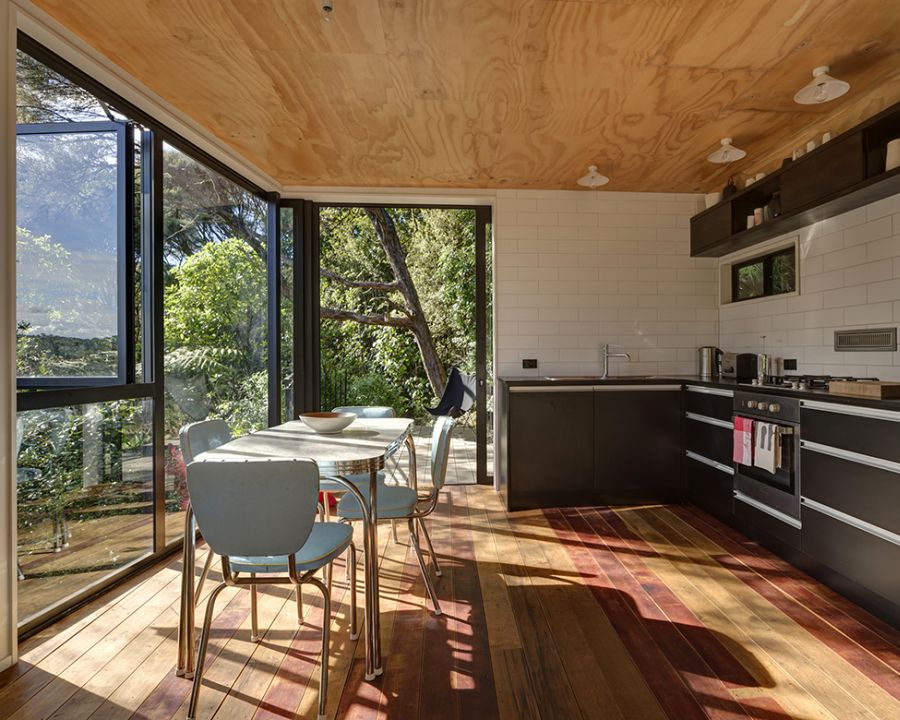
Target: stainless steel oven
[(778, 493)]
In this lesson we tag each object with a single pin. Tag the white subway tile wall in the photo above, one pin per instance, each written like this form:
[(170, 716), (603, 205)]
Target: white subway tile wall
[(849, 278), (577, 269)]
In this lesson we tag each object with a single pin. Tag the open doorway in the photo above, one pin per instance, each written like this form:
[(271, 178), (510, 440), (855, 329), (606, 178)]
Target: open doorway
[(404, 297)]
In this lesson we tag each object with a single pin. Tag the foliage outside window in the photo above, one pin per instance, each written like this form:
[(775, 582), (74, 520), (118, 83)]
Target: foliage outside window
[(383, 343), (764, 276)]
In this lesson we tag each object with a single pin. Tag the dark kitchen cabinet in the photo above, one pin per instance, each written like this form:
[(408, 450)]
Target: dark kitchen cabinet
[(637, 444), (845, 173), (708, 441), (550, 455), (840, 164)]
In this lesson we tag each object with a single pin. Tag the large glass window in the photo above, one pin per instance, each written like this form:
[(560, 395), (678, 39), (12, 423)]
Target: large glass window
[(215, 309), (84, 487)]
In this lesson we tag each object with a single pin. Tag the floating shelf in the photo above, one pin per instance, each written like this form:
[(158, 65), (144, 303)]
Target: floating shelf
[(843, 174)]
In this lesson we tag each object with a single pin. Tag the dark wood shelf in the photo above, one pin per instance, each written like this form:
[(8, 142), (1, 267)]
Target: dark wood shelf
[(840, 175)]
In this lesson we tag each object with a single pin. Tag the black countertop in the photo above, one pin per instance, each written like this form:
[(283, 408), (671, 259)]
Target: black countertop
[(726, 383)]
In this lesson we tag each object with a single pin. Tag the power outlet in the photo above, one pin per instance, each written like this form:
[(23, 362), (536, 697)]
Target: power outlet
[(529, 363)]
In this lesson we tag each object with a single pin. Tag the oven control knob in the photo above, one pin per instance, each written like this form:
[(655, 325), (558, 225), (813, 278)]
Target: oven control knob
[(774, 407), (751, 404)]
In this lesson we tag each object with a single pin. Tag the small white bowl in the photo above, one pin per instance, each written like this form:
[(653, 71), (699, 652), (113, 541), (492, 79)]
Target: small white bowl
[(328, 423)]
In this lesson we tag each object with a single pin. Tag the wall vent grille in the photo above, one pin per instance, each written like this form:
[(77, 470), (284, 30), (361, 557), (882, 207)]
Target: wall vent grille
[(874, 340)]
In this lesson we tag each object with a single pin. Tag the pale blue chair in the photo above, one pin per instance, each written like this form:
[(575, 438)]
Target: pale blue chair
[(259, 517), (195, 439), (396, 502)]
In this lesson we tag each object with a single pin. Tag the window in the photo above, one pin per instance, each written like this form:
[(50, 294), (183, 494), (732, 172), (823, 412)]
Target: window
[(215, 302), (772, 274)]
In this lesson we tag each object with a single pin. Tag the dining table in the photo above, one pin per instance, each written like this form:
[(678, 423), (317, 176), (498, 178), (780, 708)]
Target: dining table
[(360, 449)]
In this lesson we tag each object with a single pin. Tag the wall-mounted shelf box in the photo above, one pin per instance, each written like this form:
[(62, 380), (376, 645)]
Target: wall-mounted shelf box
[(843, 174)]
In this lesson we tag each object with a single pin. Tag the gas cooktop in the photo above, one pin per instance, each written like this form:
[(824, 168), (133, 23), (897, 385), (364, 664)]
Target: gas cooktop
[(804, 382)]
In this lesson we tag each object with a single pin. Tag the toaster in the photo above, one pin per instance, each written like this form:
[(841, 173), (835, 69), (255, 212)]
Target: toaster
[(729, 365)]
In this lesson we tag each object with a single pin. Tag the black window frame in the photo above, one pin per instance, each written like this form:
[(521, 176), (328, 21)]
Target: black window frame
[(146, 381), (768, 263), (125, 212)]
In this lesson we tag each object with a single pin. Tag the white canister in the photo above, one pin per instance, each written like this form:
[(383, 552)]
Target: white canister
[(810, 146), (893, 155), (712, 198)]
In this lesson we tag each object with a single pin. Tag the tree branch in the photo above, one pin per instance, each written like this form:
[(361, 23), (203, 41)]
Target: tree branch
[(366, 284), (348, 316)]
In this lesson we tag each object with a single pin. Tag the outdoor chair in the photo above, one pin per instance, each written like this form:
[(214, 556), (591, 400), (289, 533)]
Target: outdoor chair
[(404, 503), (459, 395), (259, 517)]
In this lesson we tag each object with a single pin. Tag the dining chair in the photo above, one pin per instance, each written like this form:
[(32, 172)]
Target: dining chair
[(368, 412), (194, 439), (397, 502), (259, 517)]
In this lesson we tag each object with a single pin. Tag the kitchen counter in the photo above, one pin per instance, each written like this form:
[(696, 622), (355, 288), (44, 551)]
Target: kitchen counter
[(726, 383)]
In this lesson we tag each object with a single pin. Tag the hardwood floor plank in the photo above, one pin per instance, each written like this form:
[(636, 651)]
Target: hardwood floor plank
[(666, 683), (821, 673), (474, 680), (616, 614)]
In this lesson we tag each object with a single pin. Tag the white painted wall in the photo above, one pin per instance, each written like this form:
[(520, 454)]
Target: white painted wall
[(575, 269), (7, 333), (849, 278)]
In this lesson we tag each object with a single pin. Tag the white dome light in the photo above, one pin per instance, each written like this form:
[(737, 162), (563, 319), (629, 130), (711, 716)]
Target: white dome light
[(727, 153), (593, 178), (822, 88)]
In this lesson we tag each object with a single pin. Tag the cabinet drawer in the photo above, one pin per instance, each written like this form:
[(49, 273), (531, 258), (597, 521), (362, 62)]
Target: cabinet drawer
[(711, 441), (869, 493), (837, 166), (711, 402), (710, 488), (856, 554), (858, 429)]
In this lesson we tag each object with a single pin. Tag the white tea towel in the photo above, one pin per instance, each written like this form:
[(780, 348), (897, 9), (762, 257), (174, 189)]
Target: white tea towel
[(764, 446)]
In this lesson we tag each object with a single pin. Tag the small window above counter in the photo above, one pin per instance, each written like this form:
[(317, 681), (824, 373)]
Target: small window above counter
[(840, 175)]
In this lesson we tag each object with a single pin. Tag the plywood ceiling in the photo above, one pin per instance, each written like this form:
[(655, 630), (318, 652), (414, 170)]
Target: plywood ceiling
[(501, 93)]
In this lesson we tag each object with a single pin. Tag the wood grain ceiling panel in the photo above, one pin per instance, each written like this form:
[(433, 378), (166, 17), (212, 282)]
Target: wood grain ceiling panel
[(501, 93)]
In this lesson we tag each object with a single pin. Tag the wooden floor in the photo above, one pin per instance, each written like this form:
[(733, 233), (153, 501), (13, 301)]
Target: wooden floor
[(646, 613)]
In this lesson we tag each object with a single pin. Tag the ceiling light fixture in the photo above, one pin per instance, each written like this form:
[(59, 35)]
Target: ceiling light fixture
[(593, 179), (822, 88), (727, 153), (327, 9)]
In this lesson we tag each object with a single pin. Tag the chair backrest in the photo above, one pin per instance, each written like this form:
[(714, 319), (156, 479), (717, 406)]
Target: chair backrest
[(440, 449), (254, 507), (367, 411), (201, 436), (459, 395)]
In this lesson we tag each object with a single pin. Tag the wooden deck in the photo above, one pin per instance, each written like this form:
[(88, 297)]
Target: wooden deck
[(646, 613)]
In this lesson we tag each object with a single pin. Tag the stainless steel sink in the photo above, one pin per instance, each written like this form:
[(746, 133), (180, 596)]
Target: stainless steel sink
[(595, 378)]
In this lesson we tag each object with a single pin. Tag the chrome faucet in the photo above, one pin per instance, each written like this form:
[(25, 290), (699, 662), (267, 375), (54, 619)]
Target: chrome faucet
[(605, 355)]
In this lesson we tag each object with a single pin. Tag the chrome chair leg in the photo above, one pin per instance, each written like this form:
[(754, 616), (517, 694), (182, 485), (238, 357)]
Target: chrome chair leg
[(394, 531), (203, 575), (201, 651), (326, 635), (320, 511), (351, 566), (299, 604), (434, 560), (425, 575), (254, 620)]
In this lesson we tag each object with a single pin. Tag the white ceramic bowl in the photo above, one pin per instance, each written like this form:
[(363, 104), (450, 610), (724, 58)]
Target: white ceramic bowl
[(328, 423)]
